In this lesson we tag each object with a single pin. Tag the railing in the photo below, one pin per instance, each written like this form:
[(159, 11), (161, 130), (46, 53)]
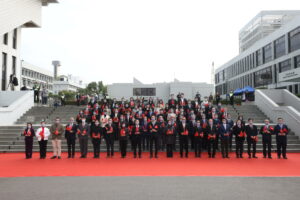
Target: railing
[(290, 115)]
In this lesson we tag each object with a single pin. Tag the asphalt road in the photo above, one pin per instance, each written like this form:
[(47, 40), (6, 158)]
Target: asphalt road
[(154, 188)]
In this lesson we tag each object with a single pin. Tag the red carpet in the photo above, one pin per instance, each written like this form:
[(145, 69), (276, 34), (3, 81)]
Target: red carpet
[(15, 165)]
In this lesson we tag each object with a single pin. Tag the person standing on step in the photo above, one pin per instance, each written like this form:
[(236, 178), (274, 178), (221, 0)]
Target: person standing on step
[(42, 135), (170, 138), (267, 131), (70, 135), (153, 128), (96, 133), (28, 134), (123, 138), (57, 131), (198, 138), (83, 131), (109, 134), (281, 131), (225, 133), (183, 131), (136, 135), (252, 138), (211, 132), (239, 131)]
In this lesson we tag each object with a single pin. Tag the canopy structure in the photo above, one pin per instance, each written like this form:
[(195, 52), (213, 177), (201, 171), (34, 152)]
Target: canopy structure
[(240, 91), (248, 89)]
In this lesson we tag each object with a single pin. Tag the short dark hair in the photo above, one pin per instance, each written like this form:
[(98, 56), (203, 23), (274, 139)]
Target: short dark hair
[(250, 119)]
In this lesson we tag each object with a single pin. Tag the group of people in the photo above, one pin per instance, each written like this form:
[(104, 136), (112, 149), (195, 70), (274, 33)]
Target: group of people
[(152, 125)]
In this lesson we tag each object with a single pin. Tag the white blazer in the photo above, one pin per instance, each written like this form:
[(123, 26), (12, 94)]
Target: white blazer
[(46, 133)]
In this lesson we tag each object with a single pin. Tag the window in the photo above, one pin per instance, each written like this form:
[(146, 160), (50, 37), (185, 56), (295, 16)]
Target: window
[(296, 89), (297, 61), (267, 53), (3, 78), (144, 91), (279, 47), (14, 62), (263, 77), (294, 39), (15, 34), (5, 38), (258, 57), (285, 65)]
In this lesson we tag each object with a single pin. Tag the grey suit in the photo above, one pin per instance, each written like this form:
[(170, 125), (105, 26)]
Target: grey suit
[(83, 135)]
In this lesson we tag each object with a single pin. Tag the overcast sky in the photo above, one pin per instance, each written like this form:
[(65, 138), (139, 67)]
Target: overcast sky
[(153, 40)]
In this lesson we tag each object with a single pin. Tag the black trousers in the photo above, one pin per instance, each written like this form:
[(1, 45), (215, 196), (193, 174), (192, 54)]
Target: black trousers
[(267, 143), (83, 143), (110, 146), (192, 139), (71, 146), (43, 148), (123, 147), (253, 144), (137, 144), (198, 146), (146, 141), (211, 147), (170, 150), (28, 147), (154, 139), (96, 146), (239, 149), (281, 146), (224, 147), (184, 144)]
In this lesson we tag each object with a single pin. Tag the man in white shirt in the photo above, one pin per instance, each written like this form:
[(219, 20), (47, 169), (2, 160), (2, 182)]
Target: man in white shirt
[(42, 135)]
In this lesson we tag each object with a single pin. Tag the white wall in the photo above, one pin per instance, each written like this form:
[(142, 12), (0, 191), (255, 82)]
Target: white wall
[(15, 105), (163, 90)]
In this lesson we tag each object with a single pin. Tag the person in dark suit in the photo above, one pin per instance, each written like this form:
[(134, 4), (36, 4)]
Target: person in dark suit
[(225, 133), (267, 131), (252, 138), (123, 138), (83, 131), (28, 134), (183, 131), (70, 135), (108, 132), (172, 102), (136, 135), (153, 128), (281, 131), (239, 131), (211, 132), (198, 138), (96, 135)]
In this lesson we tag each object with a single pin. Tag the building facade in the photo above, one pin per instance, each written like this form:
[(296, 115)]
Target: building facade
[(158, 90), (67, 83), (31, 75), (264, 63), (15, 15)]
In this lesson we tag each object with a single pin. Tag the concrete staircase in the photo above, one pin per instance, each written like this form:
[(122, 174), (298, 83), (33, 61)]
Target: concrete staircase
[(247, 111), (12, 141), (36, 114)]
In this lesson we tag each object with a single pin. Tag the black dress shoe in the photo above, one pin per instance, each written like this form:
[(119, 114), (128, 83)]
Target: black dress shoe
[(254, 157), (270, 157), (53, 157), (59, 157), (241, 156)]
